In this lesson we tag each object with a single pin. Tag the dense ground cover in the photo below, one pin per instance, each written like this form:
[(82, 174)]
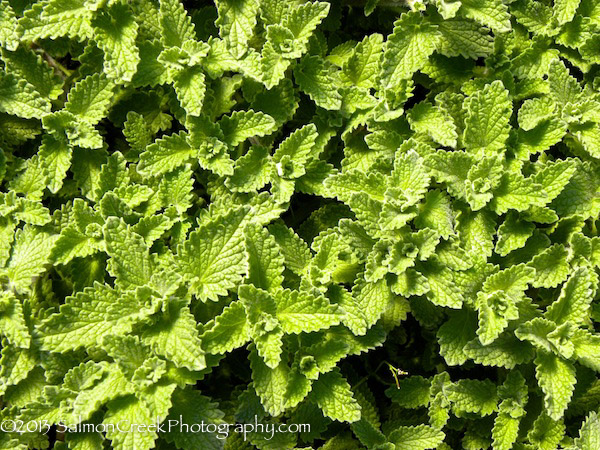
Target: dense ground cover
[(377, 218)]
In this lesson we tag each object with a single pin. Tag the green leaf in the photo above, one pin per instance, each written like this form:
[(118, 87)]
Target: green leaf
[(20, 98), (551, 266), (90, 98), (129, 410), (129, 261), (89, 315), (413, 392), (15, 365), (517, 192), (115, 32), (190, 88), (492, 13), (192, 407), (229, 330), (408, 48), (335, 398), (166, 154), (460, 37), (303, 19), (29, 256), (557, 380), (564, 88), (564, 10), (473, 396), (432, 120), (292, 154), (362, 68), (546, 432), (270, 384), (236, 22), (9, 38), (213, 259), (294, 250), (56, 18), (574, 301), (12, 321), (25, 64), (315, 79), (242, 125), (419, 437), (304, 312), (488, 113), (176, 338), (513, 234), (265, 261), (589, 433), (250, 172), (176, 25)]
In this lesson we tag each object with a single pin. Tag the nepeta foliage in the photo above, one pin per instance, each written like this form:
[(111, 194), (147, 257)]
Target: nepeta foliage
[(259, 207)]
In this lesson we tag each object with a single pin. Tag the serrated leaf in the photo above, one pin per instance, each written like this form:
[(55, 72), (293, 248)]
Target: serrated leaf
[(241, 125), (303, 312), (314, 79), (574, 300), (90, 98), (213, 258), (129, 259), (19, 98), (419, 437), (236, 22), (194, 408), (335, 398), (115, 32), (557, 380), (487, 119), (176, 338), (166, 154), (89, 315), (265, 261), (408, 48)]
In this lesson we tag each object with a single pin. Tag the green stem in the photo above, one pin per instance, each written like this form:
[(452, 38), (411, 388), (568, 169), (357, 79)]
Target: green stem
[(374, 374)]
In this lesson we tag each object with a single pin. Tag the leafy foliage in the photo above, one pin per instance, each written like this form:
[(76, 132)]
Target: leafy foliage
[(377, 218)]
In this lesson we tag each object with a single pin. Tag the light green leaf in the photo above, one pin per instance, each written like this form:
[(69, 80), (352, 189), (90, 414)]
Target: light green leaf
[(315, 79), (176, 26), (115, 32), (228, 331), (192, 407), (557, 380), (20, 98), (303, 312), (86, 317), (335, 398), (129, 260), (488, 113), (240, 125), (166, 154), (129, 410), (90, 98), (213, 259), (265, 261), (29, 256), (190, 88), (236, 22), (492, 13), (419, 437), (176, 338), (408, 48), (574, 300)]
